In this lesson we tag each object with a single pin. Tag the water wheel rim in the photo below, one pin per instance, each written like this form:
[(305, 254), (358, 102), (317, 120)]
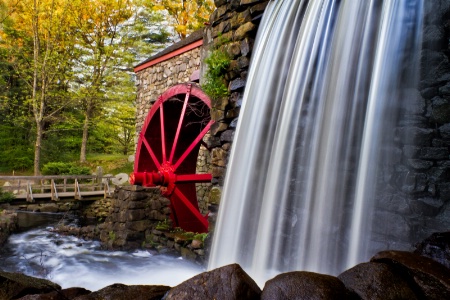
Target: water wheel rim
[(170, 145)]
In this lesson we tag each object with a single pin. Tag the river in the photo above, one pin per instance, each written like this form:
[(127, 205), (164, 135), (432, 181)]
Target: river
[(38, 251)]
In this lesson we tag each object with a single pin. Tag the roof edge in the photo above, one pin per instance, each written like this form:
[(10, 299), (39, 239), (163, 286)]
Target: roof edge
[(192, 41)]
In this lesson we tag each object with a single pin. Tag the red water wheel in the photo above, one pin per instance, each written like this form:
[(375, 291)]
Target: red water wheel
[(168, 148)]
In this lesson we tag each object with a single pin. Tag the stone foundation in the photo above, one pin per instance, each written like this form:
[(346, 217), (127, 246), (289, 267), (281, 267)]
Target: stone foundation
[(137, 218), (8, 224)]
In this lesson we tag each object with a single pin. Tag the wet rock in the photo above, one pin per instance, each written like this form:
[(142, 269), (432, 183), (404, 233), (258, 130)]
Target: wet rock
[(229, 282), (127, 292), (431, 278), (376, 281), (227, 136), (305, 285), (16, 285), (445, 131), (434, 153), (420, 164), (436, 247), (8, 224), (236, 84), (218, 127), (66, 294)]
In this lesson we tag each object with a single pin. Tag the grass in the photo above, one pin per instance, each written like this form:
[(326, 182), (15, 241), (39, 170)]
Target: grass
[(111, 163)]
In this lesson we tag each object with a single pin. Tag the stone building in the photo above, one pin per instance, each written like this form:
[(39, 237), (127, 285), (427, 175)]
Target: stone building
[(233, 21), (176, 64)]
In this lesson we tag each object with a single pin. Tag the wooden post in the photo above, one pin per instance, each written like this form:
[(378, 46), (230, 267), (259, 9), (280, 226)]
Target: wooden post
[(65, 183), (53, 190), (29, 193), (77, 194), (107, 191)]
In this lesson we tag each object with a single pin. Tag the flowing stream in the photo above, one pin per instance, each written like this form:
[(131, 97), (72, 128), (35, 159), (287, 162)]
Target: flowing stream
[(72, 262), (321, 101)]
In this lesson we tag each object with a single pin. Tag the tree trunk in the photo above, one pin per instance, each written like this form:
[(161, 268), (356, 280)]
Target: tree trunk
[(84, 139), (37, 149)]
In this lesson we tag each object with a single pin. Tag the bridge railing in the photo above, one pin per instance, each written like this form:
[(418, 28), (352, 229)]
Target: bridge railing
[(57, 186)]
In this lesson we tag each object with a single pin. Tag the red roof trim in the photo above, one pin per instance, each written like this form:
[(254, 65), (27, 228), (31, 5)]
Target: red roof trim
[(169, 55)]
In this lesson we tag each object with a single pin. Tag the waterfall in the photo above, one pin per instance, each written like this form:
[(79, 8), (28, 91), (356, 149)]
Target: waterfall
[(324, 92)]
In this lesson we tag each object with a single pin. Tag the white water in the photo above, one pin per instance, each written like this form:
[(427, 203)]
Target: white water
[(320, 105), (72, 262)]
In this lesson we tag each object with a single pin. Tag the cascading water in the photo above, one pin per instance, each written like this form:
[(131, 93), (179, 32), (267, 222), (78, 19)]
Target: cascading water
[(69, 261), (324, 91)]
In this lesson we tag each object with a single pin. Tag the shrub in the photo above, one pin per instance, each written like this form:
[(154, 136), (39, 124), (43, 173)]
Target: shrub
[(218, 63), (6, 196), (61, 168)]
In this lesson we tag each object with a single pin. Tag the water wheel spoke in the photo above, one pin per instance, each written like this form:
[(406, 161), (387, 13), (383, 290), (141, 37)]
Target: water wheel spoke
[(152, 154), (193, 144), (163, 133), (195, 178), (180, 122), (187, 211)]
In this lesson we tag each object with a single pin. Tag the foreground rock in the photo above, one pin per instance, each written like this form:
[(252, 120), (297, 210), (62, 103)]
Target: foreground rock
[(70, 293), (229, 282), (127, 292), (16, 285), (377, 282), (389, 275), (432, 279), (305, 285)]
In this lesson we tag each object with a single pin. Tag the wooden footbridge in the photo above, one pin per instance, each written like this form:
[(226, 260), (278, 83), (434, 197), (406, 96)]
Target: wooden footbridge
[(77, 187)]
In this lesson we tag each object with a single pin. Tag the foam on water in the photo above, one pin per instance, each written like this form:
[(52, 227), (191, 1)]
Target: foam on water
[(72, 262)]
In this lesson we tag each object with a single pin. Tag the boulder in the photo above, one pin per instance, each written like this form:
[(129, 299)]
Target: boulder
[(305, 285), (66, 294), (127, 292), (377, 281), (431, 277), (16, 285), (228, 282)]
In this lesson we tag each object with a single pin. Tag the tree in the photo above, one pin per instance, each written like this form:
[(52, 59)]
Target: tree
[(109, 34), (38, 36), (187, 16)]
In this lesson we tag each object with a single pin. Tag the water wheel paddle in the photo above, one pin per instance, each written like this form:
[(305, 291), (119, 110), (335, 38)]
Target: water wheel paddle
[(168, 148)]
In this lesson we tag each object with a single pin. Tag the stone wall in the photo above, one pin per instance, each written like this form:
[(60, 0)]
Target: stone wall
[(414, 193), (235, 22), (154, 80)]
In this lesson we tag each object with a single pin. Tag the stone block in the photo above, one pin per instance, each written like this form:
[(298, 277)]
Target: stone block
[(233, 49), (227, 136), (219, 157), (415, 135), (218, 172), (444, 130), (237, 84), (139, 226), (432, 153), (214, 195), (244, 31)]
